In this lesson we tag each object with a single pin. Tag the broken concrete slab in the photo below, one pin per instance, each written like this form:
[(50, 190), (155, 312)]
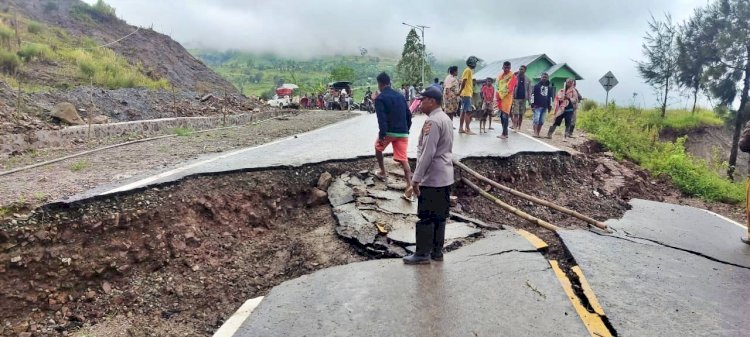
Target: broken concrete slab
[(384, 194), (648, 289), (352, 225), (453, 230), (355, 181), (398, 206), (340, 193), (347, 300), (477, 222), (685, 228)]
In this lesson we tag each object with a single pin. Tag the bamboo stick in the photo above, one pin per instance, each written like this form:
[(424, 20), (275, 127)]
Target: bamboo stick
[(531, 198), (515, 211)]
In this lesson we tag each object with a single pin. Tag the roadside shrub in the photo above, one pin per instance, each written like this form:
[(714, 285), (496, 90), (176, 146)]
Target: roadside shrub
[(589, 105), (6, 35), (87, 68), (633, 134), (34, 27), (9, 62), (107, 69), (34, 51)]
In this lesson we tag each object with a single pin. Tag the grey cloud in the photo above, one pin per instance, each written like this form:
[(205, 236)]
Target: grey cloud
[(593, 36)]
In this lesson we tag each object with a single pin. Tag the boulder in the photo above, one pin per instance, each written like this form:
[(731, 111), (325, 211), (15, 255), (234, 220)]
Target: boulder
[(67, 113), (324, 181), (317, 197)]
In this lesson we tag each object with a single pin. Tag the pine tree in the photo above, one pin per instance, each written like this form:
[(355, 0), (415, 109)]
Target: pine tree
[(660, 66), (692, 58), (725, 32), (412, 59)]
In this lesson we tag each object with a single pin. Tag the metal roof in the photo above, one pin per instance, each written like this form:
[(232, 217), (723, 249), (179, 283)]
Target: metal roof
[(557, 67), (494, 69)]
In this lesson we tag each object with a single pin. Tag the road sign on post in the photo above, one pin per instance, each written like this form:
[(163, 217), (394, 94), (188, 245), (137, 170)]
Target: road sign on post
[(608, 81)]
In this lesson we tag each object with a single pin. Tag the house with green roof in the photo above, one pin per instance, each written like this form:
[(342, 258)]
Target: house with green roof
[(535, 66)]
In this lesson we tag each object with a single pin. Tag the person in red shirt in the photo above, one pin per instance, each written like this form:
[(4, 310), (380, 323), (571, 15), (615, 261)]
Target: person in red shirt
[(488, 97)]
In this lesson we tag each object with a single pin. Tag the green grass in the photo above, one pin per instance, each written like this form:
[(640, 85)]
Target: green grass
[(634, 134), (40, 196), (35, 52), (183, 132), (684, 121), (99, 11), (9, 62), (78, 58), (34, 27), (79, 165)]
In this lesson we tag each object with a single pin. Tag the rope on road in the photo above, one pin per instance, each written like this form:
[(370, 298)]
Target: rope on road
[(124, 144), (531, 198), (515, 211)]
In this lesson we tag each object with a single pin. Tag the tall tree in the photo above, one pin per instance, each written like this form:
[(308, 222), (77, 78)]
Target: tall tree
[(660, 66), (692, 56), (412, 60), (726, 31)]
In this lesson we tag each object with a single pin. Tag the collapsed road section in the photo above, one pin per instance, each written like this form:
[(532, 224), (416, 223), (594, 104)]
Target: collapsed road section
[(181, 257)]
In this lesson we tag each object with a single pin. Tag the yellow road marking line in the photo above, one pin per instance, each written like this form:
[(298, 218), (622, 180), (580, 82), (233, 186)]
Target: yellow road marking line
[(588, 291), (535, 241), (593, 322)]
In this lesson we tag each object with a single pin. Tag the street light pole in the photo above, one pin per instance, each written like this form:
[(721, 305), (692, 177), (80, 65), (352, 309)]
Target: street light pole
[(424, 45)]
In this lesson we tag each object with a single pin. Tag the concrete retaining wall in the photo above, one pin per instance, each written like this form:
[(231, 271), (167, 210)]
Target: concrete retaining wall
[(154, 127)]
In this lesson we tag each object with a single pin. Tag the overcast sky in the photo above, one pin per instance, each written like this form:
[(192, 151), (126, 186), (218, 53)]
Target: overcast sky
[(592, 36)]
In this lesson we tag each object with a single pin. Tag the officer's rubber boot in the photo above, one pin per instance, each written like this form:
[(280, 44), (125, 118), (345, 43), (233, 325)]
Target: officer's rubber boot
[(425, 233), (437, 241)]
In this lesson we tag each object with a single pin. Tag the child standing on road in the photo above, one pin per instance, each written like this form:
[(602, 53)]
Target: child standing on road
[(488, 98)]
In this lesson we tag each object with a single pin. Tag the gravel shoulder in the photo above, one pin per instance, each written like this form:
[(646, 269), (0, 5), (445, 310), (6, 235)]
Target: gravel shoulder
[(27, 189)]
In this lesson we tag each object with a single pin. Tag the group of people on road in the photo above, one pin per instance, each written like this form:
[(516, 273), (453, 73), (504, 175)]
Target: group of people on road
[(508, 97), (433, 178), (332, 99)]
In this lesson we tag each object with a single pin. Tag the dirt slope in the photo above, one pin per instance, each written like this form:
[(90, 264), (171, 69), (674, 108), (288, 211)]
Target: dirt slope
[(157, 52), (711, 144)]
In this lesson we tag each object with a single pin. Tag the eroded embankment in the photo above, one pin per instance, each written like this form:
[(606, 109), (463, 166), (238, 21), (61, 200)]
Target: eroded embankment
[(179, 259)]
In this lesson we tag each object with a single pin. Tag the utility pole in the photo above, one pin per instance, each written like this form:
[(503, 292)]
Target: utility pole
[(424, 45)]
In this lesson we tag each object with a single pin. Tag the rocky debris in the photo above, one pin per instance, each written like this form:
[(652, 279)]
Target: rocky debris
[(339, 193), (325, 181), (375, 217), (353, 225), (317, 197), (67, 113), (119, 105), (191, 253), (207, 97)]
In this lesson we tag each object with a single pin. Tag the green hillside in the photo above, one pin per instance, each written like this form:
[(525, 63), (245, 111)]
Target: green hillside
[(258, 75)]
